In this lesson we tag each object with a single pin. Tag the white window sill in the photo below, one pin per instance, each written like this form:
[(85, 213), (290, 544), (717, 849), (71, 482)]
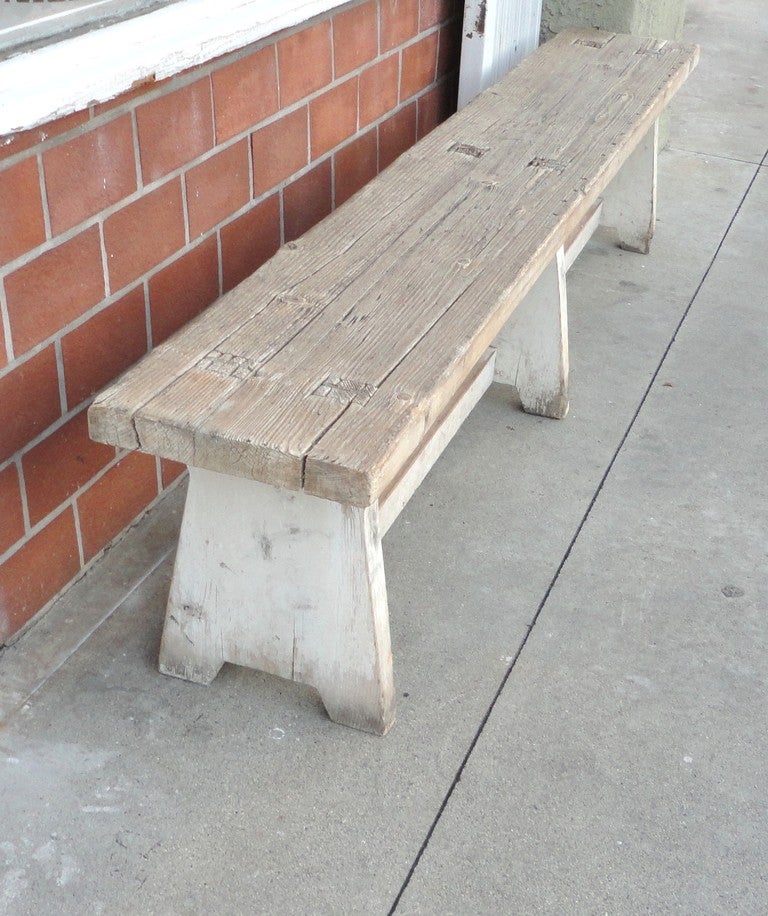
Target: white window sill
[(45, 83)]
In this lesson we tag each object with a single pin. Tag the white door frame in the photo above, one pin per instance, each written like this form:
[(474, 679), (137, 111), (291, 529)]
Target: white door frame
[(497, 35)]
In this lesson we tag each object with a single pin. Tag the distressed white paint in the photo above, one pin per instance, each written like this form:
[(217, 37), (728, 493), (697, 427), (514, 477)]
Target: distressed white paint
[(629, 204), (533, 345), (70, 74), (286, 583), (574, 248), (392, 502), (497, 35)]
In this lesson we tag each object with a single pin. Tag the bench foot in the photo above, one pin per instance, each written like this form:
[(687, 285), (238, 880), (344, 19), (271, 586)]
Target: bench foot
[(362, 705), (532, 348), (285, 583), (629, 205), (183, 655)]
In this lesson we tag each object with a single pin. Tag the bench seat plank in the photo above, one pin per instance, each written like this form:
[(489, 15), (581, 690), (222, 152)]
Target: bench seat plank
[(320, 371)]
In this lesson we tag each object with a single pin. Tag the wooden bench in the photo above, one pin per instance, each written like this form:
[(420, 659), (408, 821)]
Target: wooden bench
[(311, 401)]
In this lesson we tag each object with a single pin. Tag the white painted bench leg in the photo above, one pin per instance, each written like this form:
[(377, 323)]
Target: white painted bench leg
[(286, 583), (532, 348), (629, 206)]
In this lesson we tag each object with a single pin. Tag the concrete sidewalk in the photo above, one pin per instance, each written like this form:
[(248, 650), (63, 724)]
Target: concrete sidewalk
[(578, 618)]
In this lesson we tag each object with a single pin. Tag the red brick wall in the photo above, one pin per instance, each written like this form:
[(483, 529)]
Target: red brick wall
[(120, 223)]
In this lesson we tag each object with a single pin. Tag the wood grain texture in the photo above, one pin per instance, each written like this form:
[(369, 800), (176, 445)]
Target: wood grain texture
[(326, 369)]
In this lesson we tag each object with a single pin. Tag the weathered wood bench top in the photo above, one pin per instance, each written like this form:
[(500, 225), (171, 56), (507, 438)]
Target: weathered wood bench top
[(344, 366), (324, 369)]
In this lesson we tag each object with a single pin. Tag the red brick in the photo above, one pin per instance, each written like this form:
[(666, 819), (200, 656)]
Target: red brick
[(244, 93), (37, 572), (419, 64), (356, 164), (430, 13), (12, 524), (379, 89), (90, 173), (54, 289), (434, 11), (218, 188), (115, 500), (144, 233), (333, 117), (182, 290), (174, 129), (396, 134), (304, 62), (250, 240), (26, 139), (29, 401), (170, 471), (104, 346), (279, 150), (58, 466), (21, 226), (435, 106), (399, 22), (3, 349), (449, 52), (307, 200), (355, 37)]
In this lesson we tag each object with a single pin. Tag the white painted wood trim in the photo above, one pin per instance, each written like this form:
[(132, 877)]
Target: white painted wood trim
[(586, 231), (496, 36), (393, 502), (286, 583), (68, 75)]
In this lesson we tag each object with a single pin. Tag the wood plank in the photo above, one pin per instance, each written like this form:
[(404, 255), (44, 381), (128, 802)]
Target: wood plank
[(450, 238), (562, 204), (348, 340), (323, 259), (166, 424), (351, 230)]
